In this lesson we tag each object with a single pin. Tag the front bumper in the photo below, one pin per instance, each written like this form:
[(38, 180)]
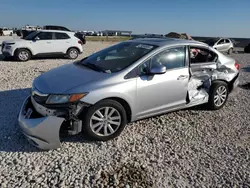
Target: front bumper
[(7, 52), (42, 132)]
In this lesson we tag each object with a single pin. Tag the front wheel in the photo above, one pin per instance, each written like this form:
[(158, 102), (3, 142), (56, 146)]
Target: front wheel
[(218, 95), (105, 120), (22, 55)]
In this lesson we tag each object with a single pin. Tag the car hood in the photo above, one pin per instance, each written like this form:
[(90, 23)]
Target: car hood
[(14, 41), (65, 78)]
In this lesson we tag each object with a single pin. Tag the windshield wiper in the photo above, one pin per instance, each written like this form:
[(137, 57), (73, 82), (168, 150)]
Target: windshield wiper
[(93, 66)]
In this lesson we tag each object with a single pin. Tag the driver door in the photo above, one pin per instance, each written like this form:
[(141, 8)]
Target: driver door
[(43, 43), (220, 46), (162, 92)]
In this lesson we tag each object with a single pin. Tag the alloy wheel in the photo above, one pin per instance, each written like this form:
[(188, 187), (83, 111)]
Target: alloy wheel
[(220, 96), (73, 54), (23, 55), (105, 121)]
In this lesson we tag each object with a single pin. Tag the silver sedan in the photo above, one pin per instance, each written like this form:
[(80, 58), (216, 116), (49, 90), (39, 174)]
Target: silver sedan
[(100, 94)]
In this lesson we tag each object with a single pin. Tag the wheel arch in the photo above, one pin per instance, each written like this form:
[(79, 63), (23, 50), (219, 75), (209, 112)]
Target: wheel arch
[(79, 51), (229, 84), (124, 103), (30, 51)]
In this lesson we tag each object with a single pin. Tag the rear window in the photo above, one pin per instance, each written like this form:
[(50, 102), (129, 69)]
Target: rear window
[(61, 36), (202, 55), (45, 36)]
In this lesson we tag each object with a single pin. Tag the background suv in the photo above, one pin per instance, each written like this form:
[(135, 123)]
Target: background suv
[(43, 43)]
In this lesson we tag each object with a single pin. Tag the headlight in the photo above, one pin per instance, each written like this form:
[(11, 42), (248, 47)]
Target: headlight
[(60, 99), (8, 47)]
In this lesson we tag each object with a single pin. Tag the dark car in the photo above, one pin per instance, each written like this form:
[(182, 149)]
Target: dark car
[(247, 48), (55, 27)]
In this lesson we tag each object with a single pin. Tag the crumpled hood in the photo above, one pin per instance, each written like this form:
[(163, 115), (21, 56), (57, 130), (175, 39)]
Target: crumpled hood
[(66, 77)]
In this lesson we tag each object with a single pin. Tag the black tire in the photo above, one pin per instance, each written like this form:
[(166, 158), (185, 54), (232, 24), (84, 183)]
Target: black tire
[(20, 57), (213, 92), (86, 127), (247, 49), (72, 53), (230, 51)]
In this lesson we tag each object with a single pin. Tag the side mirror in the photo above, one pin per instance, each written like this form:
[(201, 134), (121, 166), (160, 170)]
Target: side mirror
[(158, 69), (36, 38)]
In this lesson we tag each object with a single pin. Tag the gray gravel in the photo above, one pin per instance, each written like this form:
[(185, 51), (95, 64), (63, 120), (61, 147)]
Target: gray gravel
[(193, 148)]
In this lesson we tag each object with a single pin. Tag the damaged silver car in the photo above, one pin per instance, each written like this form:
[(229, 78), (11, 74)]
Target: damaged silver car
[(136, 79)]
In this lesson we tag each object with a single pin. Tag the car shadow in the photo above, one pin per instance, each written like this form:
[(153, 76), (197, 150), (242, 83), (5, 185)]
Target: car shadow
[(11, 137), (245, 69), (245, 86), (1, 57)]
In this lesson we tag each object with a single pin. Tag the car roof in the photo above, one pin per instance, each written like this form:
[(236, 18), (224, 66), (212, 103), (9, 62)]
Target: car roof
[(167, 41)]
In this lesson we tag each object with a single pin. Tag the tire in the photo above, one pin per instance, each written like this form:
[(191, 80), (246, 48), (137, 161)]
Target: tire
[(90, 121), (72, 53), (218, 86), (22, 55), (247, 49), (230, 51)]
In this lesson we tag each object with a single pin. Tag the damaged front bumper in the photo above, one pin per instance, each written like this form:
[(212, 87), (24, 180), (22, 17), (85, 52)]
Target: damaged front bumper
[(42, 132)]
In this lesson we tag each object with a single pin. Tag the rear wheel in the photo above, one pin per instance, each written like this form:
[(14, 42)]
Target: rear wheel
[(230, 51), (105, 120), (22, 55), (218, 95), (72, 53)]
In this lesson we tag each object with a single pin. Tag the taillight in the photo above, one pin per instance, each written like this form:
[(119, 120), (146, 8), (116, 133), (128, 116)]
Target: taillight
[(79, 42), (237, 66)]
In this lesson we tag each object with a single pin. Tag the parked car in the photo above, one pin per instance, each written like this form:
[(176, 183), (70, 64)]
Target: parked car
[(55, 27), (6, 31), (43, 43), (247, 48), (126, 82), (221, 44)]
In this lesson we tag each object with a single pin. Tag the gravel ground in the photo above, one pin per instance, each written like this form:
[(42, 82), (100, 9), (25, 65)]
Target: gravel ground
[(187, 148)]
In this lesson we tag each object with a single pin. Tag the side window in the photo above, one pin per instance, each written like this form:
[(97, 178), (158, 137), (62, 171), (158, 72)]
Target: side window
[(201, 55), (143, 69), (170, 58), (61, 36), (227, 41), (222, 41), (45, 36)]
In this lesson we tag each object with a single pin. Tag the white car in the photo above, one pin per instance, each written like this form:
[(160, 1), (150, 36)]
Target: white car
[(43, 43), (221, 44), (6, 32)]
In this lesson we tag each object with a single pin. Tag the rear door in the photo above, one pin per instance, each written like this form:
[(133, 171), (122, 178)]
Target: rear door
[(227, 44), (62, 42), (202, 59), (158, 93)]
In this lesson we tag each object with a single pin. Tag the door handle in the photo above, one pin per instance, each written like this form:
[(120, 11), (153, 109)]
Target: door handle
[(49, 42), (182, 77)]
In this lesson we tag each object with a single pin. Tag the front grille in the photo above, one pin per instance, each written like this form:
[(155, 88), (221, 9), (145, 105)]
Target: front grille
[(40, 99)]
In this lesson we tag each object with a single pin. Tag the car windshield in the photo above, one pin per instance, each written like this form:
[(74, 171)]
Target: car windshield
[(117, 57), (31, 35)]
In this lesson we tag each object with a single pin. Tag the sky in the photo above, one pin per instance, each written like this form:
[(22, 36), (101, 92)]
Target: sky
[(227, 18)]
